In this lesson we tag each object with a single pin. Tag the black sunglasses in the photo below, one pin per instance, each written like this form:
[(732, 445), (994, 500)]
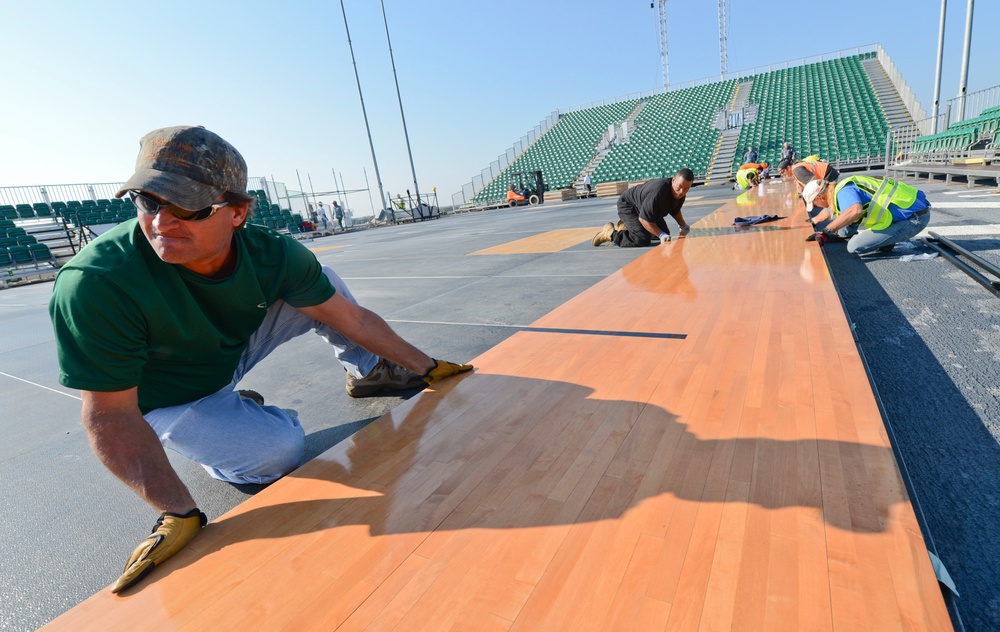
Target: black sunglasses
[(149, 206)]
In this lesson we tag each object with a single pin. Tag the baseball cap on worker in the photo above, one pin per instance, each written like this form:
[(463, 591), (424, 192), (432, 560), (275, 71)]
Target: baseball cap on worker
[(811, 192), (188, 166)]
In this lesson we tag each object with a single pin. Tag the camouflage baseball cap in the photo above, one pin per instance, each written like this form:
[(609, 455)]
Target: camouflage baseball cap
[(187, 166)]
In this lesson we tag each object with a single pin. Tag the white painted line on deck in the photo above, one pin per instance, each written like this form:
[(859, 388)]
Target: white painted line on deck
[(996, 204), (14, 377), (976, 229)]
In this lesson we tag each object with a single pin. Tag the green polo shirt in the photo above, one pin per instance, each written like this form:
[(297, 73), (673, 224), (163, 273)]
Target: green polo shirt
[(124, 318)]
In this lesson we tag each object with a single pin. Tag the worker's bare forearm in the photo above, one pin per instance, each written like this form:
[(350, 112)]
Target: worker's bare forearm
[(379, 338), (129, 448), (367, 329), (650, 227), (849, 216)]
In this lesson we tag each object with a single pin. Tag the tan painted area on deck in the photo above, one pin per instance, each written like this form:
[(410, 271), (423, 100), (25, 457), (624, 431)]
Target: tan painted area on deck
[(323, 248), (550, 241)]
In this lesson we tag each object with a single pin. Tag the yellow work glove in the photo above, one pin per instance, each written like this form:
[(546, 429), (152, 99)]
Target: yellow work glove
[(171, 533), (443, 369)]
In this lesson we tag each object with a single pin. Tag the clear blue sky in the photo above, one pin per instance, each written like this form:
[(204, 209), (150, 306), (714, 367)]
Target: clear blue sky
[(85, 80)]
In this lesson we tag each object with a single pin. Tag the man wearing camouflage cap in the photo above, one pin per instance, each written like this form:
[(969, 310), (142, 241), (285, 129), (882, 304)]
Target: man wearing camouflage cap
[(158, 319)]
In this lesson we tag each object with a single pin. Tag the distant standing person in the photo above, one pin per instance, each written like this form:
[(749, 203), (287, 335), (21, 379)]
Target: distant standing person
[(642, 212), (323, 218), (586, 183), (338, 214), (787, 152), (751, 155)]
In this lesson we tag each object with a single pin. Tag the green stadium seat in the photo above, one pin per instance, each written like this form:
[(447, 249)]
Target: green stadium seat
[(21, 255), (41, 253)]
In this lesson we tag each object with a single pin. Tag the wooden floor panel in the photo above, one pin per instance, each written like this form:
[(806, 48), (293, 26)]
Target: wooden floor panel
[(733, 472)]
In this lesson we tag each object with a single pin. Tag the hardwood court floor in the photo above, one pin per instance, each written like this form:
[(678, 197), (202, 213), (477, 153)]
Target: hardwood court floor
[(690, 444)]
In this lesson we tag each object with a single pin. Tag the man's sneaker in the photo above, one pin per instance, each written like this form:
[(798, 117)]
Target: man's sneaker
[(604, 236), (387, 375), (252, 396)]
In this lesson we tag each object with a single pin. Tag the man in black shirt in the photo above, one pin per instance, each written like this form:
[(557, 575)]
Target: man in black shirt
[(642, 210)]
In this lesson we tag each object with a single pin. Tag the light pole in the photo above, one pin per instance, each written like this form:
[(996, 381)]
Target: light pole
[(413, 170), (378, 177)]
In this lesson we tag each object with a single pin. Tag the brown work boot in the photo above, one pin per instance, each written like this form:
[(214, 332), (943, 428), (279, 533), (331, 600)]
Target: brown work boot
[(604, 236), (253, 396), (387, 375), (620, 226)]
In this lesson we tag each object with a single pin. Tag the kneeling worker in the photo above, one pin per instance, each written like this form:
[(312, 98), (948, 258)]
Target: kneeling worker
[(642, 210), (873, 213), (808, 170), (749, 174), (158, 319)]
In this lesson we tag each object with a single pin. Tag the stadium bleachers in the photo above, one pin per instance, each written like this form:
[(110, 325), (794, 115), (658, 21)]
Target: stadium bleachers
[(828, 108), (962, 135), (272, 216), (674, 130), (564, 150)]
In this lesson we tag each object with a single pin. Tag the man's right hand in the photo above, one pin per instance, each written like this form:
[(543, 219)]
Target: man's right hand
[(664, 238), (171, 533)]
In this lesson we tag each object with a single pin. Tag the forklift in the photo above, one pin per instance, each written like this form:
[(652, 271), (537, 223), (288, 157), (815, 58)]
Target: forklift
[(528, 184)]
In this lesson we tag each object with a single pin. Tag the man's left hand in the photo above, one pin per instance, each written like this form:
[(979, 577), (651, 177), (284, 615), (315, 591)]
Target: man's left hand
[(443, 369)]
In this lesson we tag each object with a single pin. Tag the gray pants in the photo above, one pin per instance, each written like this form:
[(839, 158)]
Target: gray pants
[(862, 242)]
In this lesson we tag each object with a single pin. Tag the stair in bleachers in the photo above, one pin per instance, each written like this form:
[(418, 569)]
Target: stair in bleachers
[(892, 106), (603, 149), (674, 130), (720, 172)]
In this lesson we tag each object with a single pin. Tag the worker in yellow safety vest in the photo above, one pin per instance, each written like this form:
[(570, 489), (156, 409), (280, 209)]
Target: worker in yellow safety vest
[(748, 174), (874, 214)]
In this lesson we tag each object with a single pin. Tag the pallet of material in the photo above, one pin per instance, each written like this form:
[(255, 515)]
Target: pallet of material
[(610, 189), (560, 195)]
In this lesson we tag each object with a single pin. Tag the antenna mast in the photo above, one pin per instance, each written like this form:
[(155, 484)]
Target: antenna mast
[(723, 35), (664, 63)]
